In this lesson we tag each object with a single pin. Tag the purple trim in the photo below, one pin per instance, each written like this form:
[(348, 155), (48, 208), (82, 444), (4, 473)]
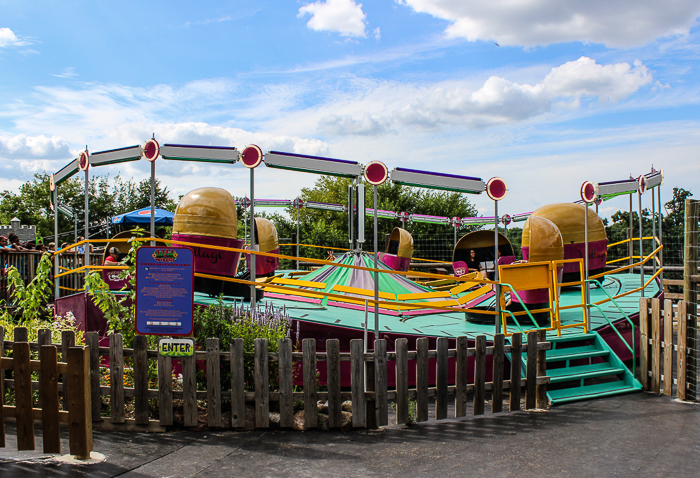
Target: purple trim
[(112, 150), (201, 147), (325, 203), (438, 174), (314, 157), (619, 182)]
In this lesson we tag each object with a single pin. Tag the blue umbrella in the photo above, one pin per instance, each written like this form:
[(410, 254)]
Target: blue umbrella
[(143, 216)]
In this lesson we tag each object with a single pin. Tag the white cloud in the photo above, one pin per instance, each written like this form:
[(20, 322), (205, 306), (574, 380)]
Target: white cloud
[(343, 16), (68, 72), (377, 33), (497, 101), (542, 22), (8, 38), (33, 147)]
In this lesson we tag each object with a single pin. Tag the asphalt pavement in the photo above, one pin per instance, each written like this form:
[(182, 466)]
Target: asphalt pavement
[(632, 435)]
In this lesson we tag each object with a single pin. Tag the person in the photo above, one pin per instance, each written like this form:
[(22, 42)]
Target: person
[(4, 243), (113, 258), (14, 242), (472, 262), (52, 247)]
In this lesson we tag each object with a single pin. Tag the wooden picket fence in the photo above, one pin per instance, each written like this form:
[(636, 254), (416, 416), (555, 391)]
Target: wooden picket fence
[(370, 395), (75, 372), (657, 347)]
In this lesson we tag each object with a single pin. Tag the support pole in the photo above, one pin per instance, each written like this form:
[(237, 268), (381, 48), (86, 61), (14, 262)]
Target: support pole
[(153, 201), (641, 244), (298, 238), (653, 226), (495, 268), (56, 280), (376, 274), (351, 216), (630, 245), (74, 277), (252, 238), (661, 239), (585, 265), (86, 246)]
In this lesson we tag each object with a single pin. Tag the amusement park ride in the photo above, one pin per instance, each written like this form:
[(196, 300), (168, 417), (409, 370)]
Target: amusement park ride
[(562, 285)]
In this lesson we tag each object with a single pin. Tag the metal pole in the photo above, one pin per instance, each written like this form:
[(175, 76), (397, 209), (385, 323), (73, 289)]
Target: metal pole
[(661, 239), (57, 246), (351, 216), (653, 226), (86, 246), (641, 245), (298, 239), (252, 237), (495, 268), (585, 264), (630, 245), (376, 274), (74, 277), (153, 201), (455, 238), (365, 324)]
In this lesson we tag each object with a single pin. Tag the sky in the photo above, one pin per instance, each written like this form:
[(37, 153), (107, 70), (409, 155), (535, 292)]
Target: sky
[(545, 94)]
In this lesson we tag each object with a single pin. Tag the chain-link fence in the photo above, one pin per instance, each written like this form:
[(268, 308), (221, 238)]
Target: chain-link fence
[(691, 288)]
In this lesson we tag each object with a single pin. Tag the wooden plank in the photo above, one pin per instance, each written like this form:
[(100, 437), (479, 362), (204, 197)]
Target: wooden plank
[(67, 341), (21, 334), (357, 372), (48, 390), (23, 395), (682, 354), (262, 384), (531, 371), (371, 418), (140, 364), (515, 371), (189, 390), (668, 347), (422, 379), (499, 342), (213, 367), (45, 337), (333, 382), (286, 383), (541, 389), (402, 415), (165, 390), (644, 330), (116, 377), (79, 408), (441, 379), (655, 345), (461, 374), (381, 383), (92, 340), (2, 388), (479, 375), (310, 406), (237, 384)]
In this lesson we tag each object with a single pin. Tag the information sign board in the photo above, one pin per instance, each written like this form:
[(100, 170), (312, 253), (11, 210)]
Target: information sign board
[(164, 290)]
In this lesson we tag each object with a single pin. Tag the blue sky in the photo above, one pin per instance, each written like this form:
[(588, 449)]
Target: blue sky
[(543, 93)]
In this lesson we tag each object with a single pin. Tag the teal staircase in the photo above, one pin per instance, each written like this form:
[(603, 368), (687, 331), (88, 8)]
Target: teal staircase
[(583, 366)]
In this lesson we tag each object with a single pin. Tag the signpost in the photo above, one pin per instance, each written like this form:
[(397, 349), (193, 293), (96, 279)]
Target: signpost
[(164, 291)]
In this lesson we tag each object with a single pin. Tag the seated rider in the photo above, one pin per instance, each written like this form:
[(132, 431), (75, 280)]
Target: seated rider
[(472, 262), (113, 258)]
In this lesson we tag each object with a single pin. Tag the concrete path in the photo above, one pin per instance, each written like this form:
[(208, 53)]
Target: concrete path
[(633, 435)]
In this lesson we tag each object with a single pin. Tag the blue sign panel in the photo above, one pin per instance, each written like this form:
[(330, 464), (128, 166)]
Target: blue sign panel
[(164, 290)]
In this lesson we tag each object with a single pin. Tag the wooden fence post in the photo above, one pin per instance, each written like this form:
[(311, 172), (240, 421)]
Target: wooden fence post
[(401, 346), (310, 406), (531, 371), (140, 364), (668, 347), (116, 377), (92, 340), (333, 382), (79, 408), (691, 268), (165, 390), (213, 383), (515, 370), (286, 383), (262, 385), (23, 395), (21, 334), (498, 364), (655, 345), (422, 379), (357, 371), (237, 384), (48, 385), (682, 353), (67, 341), (381, 383), (479, 375), (461, 373), (189, 390), (644, 331), (541, 391)]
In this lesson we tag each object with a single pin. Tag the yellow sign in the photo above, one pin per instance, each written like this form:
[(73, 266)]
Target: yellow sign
[(176, 347)]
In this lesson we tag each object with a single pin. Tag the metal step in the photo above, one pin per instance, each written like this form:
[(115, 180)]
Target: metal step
[(573, 353), (590, 391), (572, 338), (583, 372)]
